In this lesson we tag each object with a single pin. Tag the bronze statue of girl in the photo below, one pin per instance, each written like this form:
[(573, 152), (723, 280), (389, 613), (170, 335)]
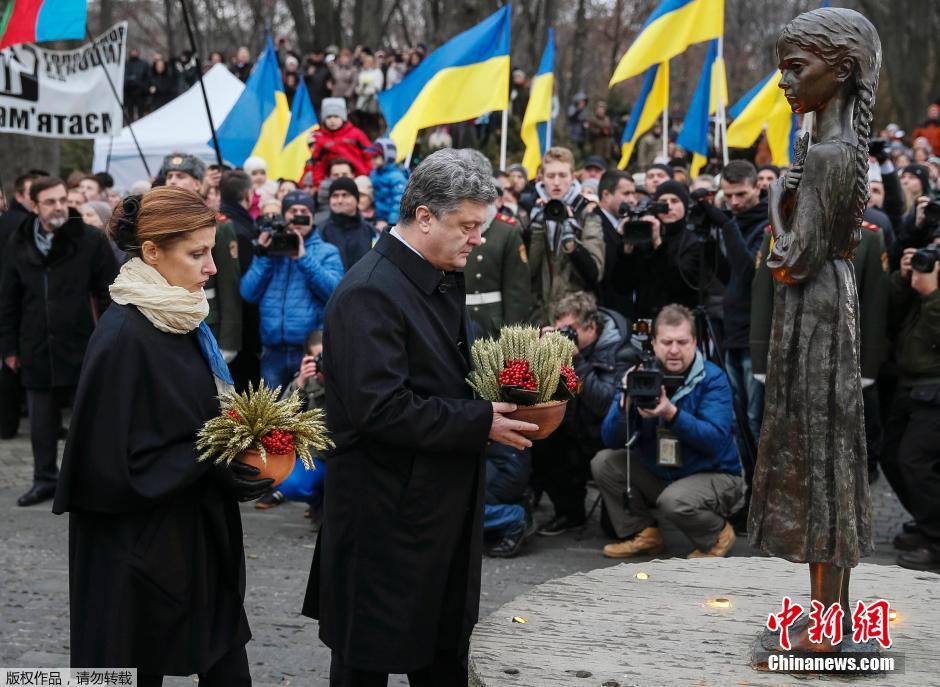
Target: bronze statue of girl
[(810, 501)]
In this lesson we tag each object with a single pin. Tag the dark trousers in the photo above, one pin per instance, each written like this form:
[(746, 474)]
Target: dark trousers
[(561, 466), (910, 456), (229, 671), (45, 420), (448, 670), (11, 402)]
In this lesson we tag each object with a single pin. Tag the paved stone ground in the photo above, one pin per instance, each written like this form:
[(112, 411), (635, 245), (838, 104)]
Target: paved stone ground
[(279, 545)]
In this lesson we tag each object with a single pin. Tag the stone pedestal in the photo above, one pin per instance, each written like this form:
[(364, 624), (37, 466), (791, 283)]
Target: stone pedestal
[(611, 628)]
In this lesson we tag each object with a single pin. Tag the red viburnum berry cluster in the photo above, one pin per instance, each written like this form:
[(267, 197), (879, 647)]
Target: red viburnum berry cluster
[(278, 442), (235, 416), (571, 379), (517, 373)]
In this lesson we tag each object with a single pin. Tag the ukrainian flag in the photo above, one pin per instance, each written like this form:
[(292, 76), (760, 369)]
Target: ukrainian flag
[(653, 99), (466, 77), (673, 27), (764, 107), (712, 89), (258, 122), (538, 113), (303, 120)]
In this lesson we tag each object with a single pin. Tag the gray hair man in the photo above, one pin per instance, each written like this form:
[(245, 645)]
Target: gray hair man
[(405, 481)]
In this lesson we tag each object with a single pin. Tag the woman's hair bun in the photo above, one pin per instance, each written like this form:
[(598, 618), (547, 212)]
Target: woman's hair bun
[(123, 226)]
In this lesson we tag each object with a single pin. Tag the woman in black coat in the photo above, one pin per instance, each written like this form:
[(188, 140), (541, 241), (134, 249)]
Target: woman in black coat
[(156, 564)]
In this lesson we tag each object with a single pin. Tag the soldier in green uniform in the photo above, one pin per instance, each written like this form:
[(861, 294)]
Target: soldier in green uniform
[(498, 284), (225, 302)]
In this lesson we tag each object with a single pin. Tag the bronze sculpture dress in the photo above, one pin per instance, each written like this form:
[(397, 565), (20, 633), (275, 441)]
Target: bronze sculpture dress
[(810, 499)]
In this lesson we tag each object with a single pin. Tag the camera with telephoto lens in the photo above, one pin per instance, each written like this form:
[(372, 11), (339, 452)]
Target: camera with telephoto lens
[(637, 231), (284, 242), (925, 258), (645, 382), (878, 149), (932, 214), (697, 220)]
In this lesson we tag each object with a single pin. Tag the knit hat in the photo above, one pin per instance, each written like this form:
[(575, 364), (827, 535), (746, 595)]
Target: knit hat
[(387, 148), (344, 184), (297, 198), (666, 168), (874, 172), (364, 184), (102, 209), (254, 163), (921, 172), (182, 162), (333, 107), (518, 168), (676, 189)]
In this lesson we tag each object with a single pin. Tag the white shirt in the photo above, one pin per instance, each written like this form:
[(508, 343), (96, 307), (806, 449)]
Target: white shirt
[(394, 232)]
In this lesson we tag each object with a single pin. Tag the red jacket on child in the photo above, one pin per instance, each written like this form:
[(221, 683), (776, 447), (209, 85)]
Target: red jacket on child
[(346, 142)]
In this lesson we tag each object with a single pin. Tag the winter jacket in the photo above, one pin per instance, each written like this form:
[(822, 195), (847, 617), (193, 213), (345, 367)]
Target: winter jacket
[(346, 142), (388, 185), (915, 320), (703, 424), (351, 235), (742, 236), (292, 294), (344, 79), (49, 304)]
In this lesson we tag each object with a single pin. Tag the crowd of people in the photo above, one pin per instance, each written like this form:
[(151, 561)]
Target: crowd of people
[(636, 266)]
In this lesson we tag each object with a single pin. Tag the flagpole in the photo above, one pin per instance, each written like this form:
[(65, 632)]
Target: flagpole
[(665, 65), (722, 111), (202, 85), (503, 139), (120, 102)]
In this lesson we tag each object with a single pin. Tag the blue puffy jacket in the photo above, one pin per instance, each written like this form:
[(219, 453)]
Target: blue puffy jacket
[(292, 294), (703, 425), (388, 184)]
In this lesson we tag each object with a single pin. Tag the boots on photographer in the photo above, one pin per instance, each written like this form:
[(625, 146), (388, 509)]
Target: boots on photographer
[(647, 542)]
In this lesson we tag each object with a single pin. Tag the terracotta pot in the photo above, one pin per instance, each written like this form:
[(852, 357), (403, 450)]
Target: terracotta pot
[(546, 415), (277, 467)]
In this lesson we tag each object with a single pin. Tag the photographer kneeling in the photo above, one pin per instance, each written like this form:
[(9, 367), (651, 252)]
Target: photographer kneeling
[(685, 463), (291, 278)]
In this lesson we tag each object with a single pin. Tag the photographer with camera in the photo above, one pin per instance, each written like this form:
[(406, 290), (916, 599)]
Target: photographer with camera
[(560, 462), (617, 195), (924, 218), (685, 462), (291, 278), (566, 252), (911, 450)]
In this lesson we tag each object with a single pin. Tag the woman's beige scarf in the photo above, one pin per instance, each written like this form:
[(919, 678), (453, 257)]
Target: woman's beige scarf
[(170, 309)]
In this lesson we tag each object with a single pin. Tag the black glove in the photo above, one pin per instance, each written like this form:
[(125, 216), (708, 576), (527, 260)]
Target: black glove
[(235, 480), (716, 217)]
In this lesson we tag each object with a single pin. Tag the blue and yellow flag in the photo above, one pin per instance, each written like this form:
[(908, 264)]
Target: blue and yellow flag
[(257, 123), (653, 99), (538, 113), (466, 77), (303, 120), (673, 27), (712, 89), (764, 107)]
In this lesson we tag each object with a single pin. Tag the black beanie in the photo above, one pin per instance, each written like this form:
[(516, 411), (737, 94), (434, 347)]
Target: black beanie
[(922, 173), (344, 184), (666, 168), (675, 188)]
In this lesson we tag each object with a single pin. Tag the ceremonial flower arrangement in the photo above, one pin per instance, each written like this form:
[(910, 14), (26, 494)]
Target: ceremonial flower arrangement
[(530, 369), (255, 426)]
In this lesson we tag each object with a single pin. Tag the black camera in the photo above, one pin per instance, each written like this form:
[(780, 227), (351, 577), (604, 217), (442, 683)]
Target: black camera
[(925, 258), (932, 214), (636, 231), (644, 384), (698, 221), (878, 149), (556, 211), (318, 361), (569, 333), (284, 242)]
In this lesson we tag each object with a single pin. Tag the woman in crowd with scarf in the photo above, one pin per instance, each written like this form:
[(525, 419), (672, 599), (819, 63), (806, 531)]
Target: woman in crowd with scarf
[(156, 564)]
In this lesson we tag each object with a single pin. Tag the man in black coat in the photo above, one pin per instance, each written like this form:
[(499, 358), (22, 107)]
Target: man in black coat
[(56, 274), (395, 579), (344, 227), (11, 391), (615, 290)]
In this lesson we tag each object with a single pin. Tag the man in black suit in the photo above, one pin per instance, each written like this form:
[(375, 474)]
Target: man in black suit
[(614, 292), (395, 580)]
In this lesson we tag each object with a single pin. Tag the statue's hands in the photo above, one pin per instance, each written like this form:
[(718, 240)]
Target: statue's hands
[(792, 178)]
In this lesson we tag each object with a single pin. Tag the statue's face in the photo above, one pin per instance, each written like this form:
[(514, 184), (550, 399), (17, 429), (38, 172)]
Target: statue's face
[(807, 81)]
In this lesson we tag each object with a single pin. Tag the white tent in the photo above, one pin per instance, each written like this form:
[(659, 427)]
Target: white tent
[(179, 126)]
